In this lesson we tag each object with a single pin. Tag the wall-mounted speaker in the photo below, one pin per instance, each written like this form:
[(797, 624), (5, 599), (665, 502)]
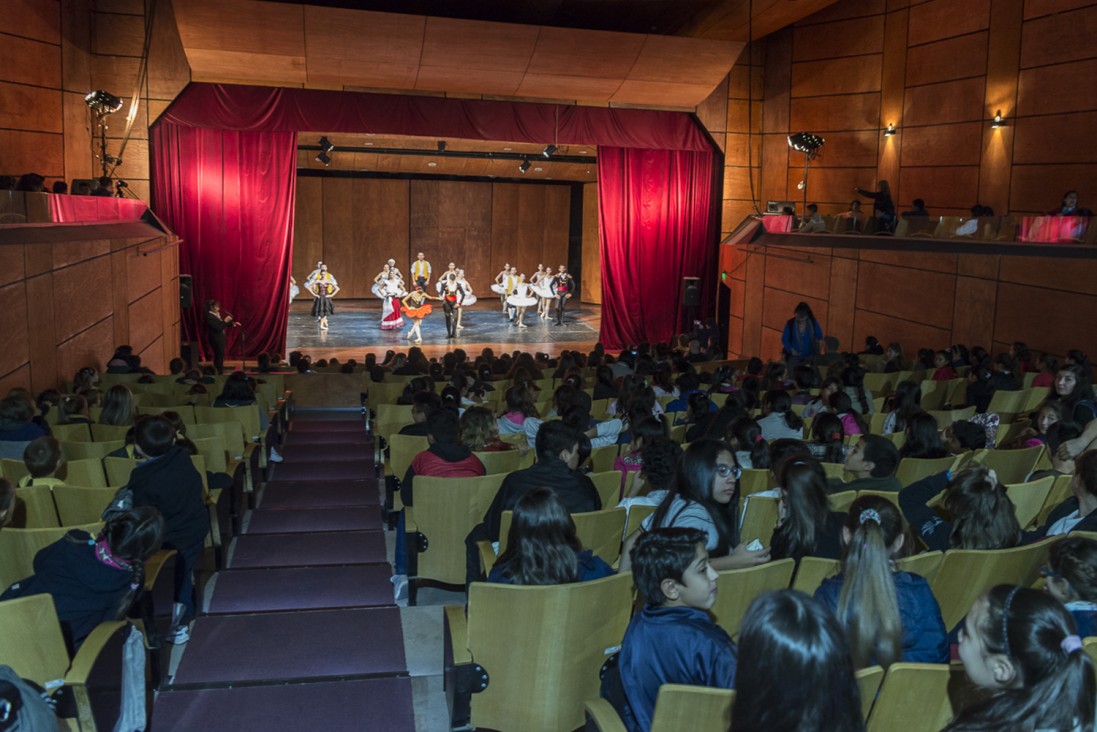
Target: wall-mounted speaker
[(186, 292), (691, 291)]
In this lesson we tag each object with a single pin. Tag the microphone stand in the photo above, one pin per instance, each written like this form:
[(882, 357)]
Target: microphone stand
[(243, 342)]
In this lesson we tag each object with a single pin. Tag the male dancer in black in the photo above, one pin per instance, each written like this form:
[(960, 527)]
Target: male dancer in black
[(563, 285), (215, 329), (452, 297)]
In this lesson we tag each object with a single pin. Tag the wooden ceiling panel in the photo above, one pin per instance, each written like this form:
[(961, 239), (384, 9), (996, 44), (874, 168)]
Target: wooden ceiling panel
[(674, 60), (244, 67), (462, 45), (585, 53), (660, 94), (728, 21), (377, 48), (568, 87), (455, 79), (274, 29)]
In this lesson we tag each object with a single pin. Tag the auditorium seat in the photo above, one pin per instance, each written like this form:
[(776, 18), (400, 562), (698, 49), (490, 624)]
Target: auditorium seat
[(694, 708), (737, 588), (34, 508), (812, 571), (913, 697), (1029, 498), (598, 531)]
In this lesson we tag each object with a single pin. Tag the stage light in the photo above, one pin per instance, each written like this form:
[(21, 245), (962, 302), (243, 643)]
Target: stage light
[(548, 151), (441, 146), (324, 158), (103, 102), (806, 142), (998, 121), (890, 130), (524, 166), (325, 145)]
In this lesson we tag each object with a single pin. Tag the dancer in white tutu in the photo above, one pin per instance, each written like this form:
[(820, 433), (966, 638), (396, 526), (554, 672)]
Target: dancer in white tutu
[(500, 288), (380, 282), (294, 290), (470, 298), (451, 270), (521, 299), (392, 289), (395, 271), (541, 285)]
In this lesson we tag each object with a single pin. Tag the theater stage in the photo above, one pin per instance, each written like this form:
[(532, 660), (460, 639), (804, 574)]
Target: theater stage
[(355, 330)]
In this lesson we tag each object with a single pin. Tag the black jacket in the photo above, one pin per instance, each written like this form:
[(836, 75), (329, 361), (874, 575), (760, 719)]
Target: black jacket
[(576, 491), (171, 484), (215, 327)]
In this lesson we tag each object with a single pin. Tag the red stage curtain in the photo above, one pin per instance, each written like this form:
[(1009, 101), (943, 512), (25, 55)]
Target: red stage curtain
[(657, 226), (230, 197), (257, 108)]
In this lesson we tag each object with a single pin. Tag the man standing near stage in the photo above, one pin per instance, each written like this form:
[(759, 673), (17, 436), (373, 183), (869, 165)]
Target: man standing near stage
[(420, 270), (215, 330), (563, 285)]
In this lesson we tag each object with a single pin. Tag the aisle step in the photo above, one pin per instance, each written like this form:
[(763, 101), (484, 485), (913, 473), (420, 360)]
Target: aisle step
[(308, 549), (307, 493), (310, 520), (302, 588)]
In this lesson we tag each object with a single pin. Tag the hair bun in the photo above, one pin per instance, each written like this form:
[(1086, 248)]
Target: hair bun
[(869, 514)]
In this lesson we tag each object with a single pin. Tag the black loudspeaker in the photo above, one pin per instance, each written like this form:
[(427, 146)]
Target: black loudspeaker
[(691, 291), (189, 353), (186, 295)]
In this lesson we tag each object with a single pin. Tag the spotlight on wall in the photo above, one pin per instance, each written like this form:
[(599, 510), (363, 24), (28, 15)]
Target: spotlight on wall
[(324, 158), (325, 145), (524, 166), (102, 102), (889, 131), (997, 121), (441, 146), (548, 151)]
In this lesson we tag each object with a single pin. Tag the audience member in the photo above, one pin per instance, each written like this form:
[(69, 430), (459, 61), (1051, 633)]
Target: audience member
[(872, 462), (805, 524), (918, 210), (982, 515)]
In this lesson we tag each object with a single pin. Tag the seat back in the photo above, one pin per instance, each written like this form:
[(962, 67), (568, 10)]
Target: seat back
[(913, 698), (608, 484), (402, 450), (500, 461), (925, 564), (812, 571), (759, 519), (76, 450), (911, 470), (637, 512), (868, 681), (599, 531), (85, 472), (967, 573), (118, 470), (696, 708), (1060, 491), (247, 416), (945, 417), (14, 469), (80, 504), (34, 508), (213, 451), (18, 547), (77, 432), (33, 644), (892, 496), (737, 588), (445, 511), (543, 648), (185, 411), (842, 500), (230, 432), (394, 413), (934, 394), (754, 480), (602, 458), (108, 432), (1029, 498), (1012, 466)]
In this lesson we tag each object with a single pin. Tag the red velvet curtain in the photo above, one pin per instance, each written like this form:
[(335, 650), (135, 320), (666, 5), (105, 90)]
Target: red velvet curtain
[(656, 226), (230, 196)]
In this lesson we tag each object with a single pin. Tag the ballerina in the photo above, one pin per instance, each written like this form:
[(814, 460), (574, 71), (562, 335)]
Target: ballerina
[(451, 270), (380, 282), (323, 289), (417, 311), (393, 268), (470, 298), (294, 290), (521, 299), (391, 290), (500, 288), (542, 288)]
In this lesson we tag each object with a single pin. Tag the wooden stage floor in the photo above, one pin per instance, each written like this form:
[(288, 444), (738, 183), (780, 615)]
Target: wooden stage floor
[(354, 330)]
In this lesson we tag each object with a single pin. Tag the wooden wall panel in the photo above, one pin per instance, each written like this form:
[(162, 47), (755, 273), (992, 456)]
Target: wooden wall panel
[(1055, 139), (592, 256), (911, 334), (1017, 316), (73, 309), (308, 227), (16, 350), (448, 217), (943, 145), (953, 58), (1055, 89), (903, 292), (950, 101), (824, 114), (779, 305), (91, 347), (1059, 38), (973, 311), (851, 37), (854, 75), (939, 19)]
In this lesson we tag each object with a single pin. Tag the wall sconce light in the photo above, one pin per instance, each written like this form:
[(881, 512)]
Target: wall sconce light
[(524, 166), (890, 130), (998, 121)]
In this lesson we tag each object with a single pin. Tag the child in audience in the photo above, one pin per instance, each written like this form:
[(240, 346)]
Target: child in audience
[(43, 461), (805, 525), (751, 448), (1021, 646), (893, 359), (118, 407), (94, 579), (942, 363), (74, 410), (7, 502), (795, 671), (1079, 512), (1051, 412), (872, 461), (1074, 389), (519, 407), (706, 496), (828, 439), (983, 517), (853, 383), (640, 432), (1049, 367), (778, 419), (821, 403), (672, 640), (852, 422), (905, 403), (891, 616), (479, 432), (923, 438), (963, 436), (542, 547), (658, 463), (1071, 578)]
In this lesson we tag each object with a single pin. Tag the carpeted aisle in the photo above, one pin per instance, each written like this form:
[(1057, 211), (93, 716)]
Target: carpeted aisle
[(300, 630)]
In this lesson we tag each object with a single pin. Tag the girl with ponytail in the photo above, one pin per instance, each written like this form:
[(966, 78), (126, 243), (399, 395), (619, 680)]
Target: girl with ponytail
[(890, 616), (853, 379), (778, 419), (1022, 646), (751, 448), (828, 439)]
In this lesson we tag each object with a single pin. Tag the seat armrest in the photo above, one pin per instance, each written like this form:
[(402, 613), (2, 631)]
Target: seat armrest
[(604, 716), (154, 564), (89, 652), (487, 556), (457, 633)]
